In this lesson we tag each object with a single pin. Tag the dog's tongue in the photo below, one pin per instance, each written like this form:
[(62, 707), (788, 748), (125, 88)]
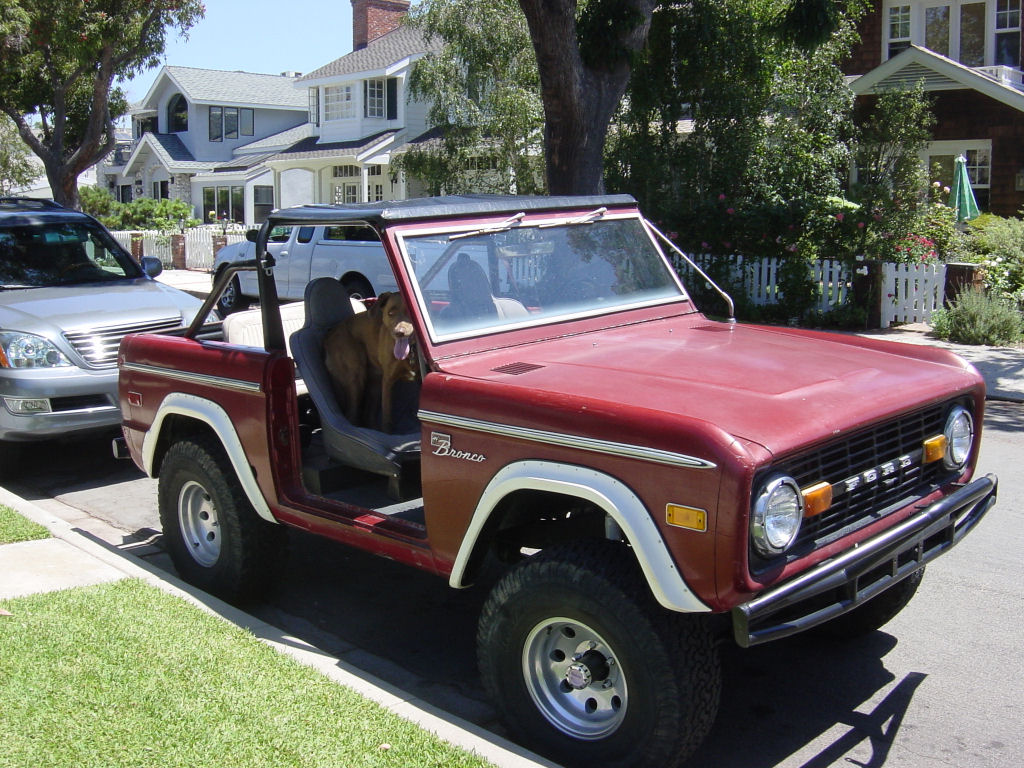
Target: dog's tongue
[(402, 348)]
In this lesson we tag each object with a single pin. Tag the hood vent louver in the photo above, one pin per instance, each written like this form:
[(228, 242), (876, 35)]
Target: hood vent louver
[(516, 369)]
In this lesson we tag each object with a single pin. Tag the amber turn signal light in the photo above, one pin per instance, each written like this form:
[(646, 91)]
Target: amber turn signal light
[(934, 448), (817, 499)]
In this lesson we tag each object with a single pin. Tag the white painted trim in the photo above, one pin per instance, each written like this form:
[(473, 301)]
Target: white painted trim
[(208, 412), (618, 502)]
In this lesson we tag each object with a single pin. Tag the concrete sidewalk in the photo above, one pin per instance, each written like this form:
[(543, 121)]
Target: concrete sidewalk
[(75, 558), (198, 282)]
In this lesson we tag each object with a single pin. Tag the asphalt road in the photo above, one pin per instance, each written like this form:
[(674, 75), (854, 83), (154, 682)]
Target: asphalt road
[(941, 685)]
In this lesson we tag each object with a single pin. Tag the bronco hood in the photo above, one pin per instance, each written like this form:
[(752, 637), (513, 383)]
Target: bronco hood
[(778, 387)]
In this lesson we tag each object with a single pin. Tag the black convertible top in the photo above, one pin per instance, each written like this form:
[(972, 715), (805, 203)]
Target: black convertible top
[(439, 207)]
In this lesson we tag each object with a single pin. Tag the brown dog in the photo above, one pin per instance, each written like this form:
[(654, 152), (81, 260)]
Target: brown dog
[(366, 354)]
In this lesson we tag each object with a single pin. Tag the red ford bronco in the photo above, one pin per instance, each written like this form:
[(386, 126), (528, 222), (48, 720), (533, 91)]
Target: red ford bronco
[(647, 478)]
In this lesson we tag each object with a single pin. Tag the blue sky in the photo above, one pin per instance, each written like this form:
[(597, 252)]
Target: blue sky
[(267, 36)]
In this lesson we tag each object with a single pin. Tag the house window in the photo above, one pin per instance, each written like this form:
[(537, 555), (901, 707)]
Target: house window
[(230, 122), (346, 171), (899, 29), (216, 124), (161, 190), (144, 126), (177, 114), (378, 192), (375, 98), (124, 193), (338, 103), (1007, 51), (374, 170), (247, 121), (262, 203), (972, 34), (314, 106), (481, 163), (940, 159), (346, 193), (225, 203), (936, 29)]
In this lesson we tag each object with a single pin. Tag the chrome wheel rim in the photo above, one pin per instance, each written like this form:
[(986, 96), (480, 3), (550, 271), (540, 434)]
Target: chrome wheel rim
[(200, 527), (574, 678), (228, 297)]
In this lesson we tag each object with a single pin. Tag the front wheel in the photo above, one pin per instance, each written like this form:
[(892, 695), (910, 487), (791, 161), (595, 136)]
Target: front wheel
[(358, 287), (232, 299), (586, 668), (213, 535)]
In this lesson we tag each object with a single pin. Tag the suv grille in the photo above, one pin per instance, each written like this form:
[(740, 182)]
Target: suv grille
[(873, 472), (98, 346)]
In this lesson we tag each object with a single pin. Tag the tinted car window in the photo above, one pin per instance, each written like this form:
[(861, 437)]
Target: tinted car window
[(61, 253)]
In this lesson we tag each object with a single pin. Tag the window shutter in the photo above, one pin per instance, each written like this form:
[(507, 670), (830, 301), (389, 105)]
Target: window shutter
[(392, 98), (366, 98)]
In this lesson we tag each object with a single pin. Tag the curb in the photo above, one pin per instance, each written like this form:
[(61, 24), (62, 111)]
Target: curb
[(454, 730)]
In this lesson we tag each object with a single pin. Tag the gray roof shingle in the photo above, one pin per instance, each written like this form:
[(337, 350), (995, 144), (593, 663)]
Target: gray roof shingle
[(242, 88), (396, 45)]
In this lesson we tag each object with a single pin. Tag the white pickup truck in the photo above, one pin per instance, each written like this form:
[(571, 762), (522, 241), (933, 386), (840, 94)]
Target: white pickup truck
[(352, 255)]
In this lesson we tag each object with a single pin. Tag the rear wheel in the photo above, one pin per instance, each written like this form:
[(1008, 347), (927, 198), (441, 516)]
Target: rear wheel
[(214, 536), (232, 300), (586, 668)]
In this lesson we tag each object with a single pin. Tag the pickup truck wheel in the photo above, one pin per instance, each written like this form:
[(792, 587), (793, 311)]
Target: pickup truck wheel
[(358, 287), (586, 668), (876, 612), (232, 299), (214, 536)]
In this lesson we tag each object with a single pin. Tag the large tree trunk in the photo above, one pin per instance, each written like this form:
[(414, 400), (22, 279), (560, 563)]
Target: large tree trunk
[(580, 93)]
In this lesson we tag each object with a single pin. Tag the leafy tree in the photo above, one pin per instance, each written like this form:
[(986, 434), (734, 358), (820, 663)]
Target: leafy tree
[(16, 167), (58, 61), (483, 89), (585, 55), (143, 213)]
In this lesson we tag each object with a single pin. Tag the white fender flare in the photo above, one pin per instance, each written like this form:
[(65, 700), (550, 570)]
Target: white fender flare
[(618, 502), (208, 412)]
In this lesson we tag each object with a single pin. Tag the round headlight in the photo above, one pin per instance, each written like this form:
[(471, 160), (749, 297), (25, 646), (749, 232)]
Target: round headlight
[(959, 432), (777, 514)]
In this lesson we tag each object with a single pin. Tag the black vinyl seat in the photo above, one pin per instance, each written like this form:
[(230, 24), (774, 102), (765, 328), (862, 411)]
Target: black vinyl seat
[(327, 304)]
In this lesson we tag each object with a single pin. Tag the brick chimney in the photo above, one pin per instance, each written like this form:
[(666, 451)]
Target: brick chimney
[(373, 18)]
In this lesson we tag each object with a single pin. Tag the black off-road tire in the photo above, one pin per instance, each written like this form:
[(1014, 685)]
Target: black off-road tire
[(232, 299), (652, 704), (876, 612), (212, 533)]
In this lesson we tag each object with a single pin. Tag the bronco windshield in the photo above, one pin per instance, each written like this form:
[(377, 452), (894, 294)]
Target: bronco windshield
[(517, 274), (58, 253)]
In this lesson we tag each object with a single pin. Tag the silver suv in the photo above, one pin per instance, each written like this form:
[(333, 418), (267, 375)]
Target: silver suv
[(68, 294)]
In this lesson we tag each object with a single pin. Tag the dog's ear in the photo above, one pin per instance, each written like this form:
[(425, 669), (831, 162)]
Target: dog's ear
[(376, 309)]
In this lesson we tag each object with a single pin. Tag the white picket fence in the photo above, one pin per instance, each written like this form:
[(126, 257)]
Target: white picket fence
[(198, 245), (910, 292)]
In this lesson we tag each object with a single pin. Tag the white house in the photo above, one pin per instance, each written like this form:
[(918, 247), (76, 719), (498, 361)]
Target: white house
[(237, 144), (200, 135)]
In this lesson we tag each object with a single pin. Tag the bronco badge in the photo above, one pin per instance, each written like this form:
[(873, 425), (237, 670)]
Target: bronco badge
[(442, 445)]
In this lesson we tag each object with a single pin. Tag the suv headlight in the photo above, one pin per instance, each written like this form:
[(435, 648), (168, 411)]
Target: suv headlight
[(26, 350), (959, 432), (777, 514)]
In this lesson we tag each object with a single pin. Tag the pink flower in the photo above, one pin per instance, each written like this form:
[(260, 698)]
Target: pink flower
[(673, 235), (704, 245), (860, 225), (791, 248), (727, 244), (722, 196), (840, 217), (730, 211)]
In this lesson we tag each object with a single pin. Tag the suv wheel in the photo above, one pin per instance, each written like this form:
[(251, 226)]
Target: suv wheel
[(876, 612), (588, 669), (232, 300), (214, 536), (358, 287)]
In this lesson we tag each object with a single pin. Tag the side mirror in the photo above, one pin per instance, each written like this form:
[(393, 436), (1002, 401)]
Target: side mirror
[(251, 235), (151, 265)]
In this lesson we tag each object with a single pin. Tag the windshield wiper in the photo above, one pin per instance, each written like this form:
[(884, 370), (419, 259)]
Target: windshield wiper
[(587, 218), (504, 226)]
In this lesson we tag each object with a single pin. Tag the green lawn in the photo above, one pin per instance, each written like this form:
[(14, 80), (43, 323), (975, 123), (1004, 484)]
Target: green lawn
[(123, 674), (14, 527)]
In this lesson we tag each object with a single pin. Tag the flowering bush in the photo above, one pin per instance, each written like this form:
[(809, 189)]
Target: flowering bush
[(915, 249)]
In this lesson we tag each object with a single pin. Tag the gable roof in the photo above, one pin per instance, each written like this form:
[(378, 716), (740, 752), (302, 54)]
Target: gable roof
[(170, 150), (395, 46), (244, 89), (939, 73)]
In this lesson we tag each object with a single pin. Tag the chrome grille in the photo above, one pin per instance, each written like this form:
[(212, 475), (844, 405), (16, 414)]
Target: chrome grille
[(98, 345), (873, 472)]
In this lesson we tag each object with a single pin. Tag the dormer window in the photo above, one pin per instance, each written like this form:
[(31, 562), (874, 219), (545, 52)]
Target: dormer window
[(177, 114), (338, 104), (380, 98), (976, 33)]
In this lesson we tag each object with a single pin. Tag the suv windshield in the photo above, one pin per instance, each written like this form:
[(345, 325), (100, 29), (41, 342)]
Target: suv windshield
[(521, 274), (52, 253)]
